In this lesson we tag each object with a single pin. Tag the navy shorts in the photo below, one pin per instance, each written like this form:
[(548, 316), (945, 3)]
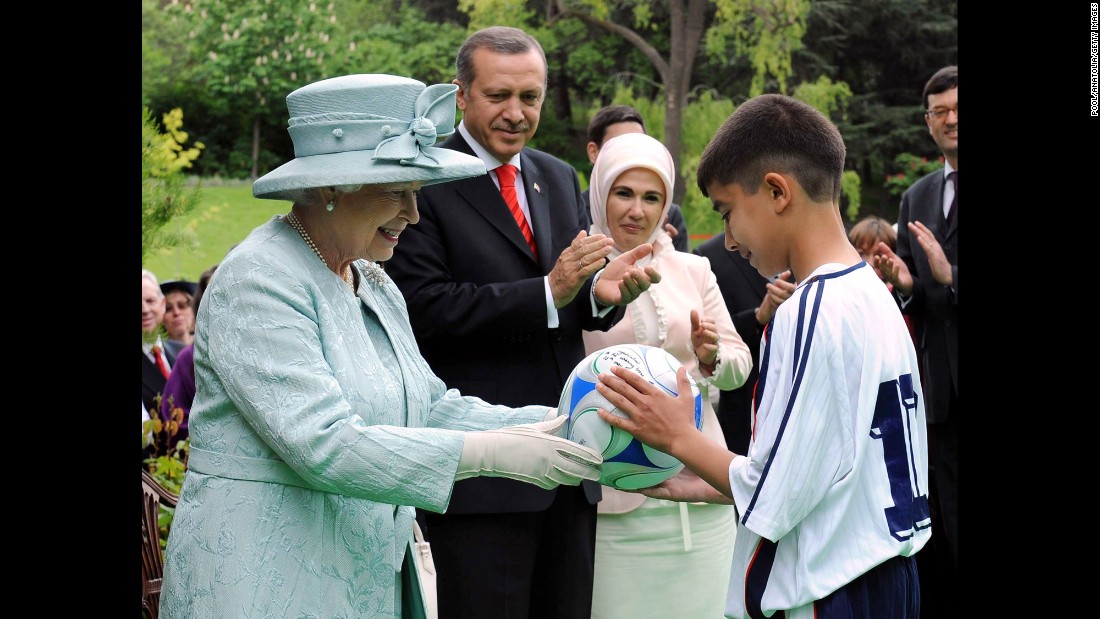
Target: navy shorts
[(890, 589)]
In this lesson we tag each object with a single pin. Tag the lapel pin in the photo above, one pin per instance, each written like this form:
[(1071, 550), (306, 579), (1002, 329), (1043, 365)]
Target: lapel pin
[(537, 190)]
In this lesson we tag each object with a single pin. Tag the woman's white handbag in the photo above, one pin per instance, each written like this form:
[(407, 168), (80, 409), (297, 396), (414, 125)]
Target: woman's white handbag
[(425, 568)]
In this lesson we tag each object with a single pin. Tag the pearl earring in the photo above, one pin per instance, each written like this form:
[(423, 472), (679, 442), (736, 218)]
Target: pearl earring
[(331, 205)]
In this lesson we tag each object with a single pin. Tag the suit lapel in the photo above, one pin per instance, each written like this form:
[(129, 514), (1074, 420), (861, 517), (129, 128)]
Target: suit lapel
[(481, 193), (150, 374), (538, 189), (950, 230), (935, 221)]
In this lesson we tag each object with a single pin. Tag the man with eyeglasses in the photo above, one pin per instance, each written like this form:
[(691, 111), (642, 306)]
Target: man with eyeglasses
[(925, 275)]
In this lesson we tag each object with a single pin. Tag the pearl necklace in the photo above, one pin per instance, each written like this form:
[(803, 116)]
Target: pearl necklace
[(292, 219)]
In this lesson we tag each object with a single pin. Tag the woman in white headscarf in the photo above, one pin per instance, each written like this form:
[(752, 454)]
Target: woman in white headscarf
[(658, 558)]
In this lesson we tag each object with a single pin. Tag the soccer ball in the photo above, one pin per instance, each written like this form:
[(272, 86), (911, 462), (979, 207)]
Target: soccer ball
[(628, 464)]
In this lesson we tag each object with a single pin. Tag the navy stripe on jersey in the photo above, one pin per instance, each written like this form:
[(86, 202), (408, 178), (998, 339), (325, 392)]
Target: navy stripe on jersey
[(762, 373), (756, 579), (800, 354)]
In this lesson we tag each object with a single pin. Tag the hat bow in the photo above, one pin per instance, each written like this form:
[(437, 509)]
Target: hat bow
[(434, 106)]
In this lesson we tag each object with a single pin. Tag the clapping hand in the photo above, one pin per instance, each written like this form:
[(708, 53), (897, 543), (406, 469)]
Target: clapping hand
[(937, 260), (893, 269), (622, 281), (777, 292), (584, 257), (704, 340)]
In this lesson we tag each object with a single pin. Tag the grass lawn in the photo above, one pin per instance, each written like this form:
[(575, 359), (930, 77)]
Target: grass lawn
[(226, 213)]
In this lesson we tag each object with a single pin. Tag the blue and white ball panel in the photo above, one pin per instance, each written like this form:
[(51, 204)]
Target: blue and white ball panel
[(628, 464)]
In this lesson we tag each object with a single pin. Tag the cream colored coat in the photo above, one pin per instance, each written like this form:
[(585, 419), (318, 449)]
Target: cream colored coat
[(687, 283)]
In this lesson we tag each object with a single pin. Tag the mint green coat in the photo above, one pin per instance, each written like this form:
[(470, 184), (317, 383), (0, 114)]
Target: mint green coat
[(316, 428)]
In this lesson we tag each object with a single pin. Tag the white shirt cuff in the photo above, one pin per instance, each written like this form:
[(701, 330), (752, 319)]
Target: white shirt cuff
[(551, 311), (598, 309)]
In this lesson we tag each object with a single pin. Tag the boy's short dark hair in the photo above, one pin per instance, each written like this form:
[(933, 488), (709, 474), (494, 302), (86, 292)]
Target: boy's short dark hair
[(610, 115), (775, 133), (942, 80)]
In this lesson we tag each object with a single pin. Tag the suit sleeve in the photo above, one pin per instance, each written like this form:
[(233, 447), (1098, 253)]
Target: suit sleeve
[(461, 283), (907, 249), (682, 242), (443, 303), (734, 356), (581, 304)]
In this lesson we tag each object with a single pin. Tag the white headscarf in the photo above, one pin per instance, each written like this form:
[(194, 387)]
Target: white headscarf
[(617, 155)]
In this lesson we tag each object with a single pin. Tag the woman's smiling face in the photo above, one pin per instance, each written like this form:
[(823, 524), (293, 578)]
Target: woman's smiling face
[(634, 206)]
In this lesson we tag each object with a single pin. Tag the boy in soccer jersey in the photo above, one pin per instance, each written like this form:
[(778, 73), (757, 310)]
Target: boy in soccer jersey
[(832, 495)]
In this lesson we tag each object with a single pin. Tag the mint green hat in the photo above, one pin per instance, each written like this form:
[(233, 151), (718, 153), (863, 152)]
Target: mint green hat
[(368, 129)]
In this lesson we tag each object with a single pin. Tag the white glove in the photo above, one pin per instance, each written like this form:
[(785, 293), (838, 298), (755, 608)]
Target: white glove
[(531, 453)]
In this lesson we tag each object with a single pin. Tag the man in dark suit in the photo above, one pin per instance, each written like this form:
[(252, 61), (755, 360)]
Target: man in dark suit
[(154, 371), (751, 299), (615, 120), (500, 317), (925, 274)]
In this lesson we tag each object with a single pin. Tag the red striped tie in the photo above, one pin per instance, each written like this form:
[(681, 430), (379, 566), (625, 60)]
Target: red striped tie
[(160, 361), (507, 175)]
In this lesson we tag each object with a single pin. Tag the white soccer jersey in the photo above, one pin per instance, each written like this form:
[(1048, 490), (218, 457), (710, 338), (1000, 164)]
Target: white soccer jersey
[(836, 477)]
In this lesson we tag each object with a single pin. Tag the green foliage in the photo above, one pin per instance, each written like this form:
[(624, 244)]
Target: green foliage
[(911, 169), (164, 196), (410, 45), (702, 117), (485, 13), (168, 462), (598, 66), (252, 53), (767, 32), (257, 51), (166, 153), (223, 217), (831, 99), (163, 51), (883, 49), (849, 188), (828, 97)]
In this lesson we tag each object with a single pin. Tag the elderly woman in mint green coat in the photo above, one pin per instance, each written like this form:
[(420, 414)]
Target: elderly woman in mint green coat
[(317, 427)]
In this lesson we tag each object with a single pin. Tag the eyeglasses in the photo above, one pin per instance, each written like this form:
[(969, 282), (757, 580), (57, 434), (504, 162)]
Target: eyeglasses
[(940, 113)]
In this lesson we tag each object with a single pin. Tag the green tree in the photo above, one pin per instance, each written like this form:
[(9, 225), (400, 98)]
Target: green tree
[(404, 43), (884, 50), (706, 111), (164, 195), (163, 51), (764, 31), (255, 52)]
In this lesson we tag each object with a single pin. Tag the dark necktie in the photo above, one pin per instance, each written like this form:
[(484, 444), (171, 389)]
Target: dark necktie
[(161, 363), (954, 200), (507, 175)]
